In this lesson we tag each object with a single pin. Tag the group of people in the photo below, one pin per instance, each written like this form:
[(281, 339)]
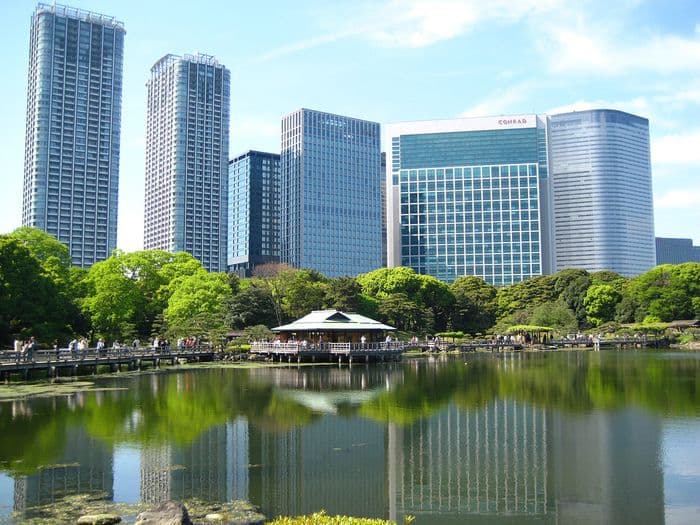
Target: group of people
[(78, 346), (25, 348)]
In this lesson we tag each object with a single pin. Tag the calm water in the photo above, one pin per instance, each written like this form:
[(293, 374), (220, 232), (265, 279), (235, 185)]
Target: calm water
[(575, 437)]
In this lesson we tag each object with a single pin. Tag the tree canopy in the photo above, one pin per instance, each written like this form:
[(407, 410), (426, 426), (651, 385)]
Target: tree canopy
[(147, 292)]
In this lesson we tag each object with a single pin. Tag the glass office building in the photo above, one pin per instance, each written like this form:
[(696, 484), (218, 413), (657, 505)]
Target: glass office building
[(187, 133), (330, 195), (469, 197), (602, 196), (676, 251), (71, 159), (253, 211)]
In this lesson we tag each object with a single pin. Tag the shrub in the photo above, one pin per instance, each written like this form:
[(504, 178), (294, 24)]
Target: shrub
[(321, 518)]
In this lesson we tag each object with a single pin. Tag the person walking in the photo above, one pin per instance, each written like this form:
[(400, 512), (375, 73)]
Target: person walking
[(31, 348)]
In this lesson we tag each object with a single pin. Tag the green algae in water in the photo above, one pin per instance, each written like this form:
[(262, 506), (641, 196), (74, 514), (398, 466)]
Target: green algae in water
[(20, 391)]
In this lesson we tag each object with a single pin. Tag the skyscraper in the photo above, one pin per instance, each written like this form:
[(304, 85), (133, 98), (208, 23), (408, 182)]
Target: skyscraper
[(71, 159), (469, 197), (187, 133), (602, 198), (330, 196), (253, 211)]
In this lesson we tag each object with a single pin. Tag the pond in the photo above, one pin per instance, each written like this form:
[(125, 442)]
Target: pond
[(560, 437)]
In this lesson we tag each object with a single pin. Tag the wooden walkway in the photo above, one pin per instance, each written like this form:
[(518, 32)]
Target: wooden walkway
[(330, 352), (553, 344), (52, 363)]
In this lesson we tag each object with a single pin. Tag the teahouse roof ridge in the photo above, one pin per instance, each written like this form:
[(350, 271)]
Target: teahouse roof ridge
[(330, 320)]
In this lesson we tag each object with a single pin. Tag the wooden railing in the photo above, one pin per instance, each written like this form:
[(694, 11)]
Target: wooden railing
[(328, 348), (66, 354)]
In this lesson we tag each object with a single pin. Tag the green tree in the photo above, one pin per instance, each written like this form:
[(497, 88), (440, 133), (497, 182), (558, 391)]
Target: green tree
[(197, 305), (556, 315), (525, 294), (343, 293), (600, 302), (386, 281), (271, 277), (253, 304), (608, 277), (304, 290), (666, 292), (404, 314), (126, 292), (436, 296), (474, 309), (258, 332), (31, 303), (571, 286), (53, 255)]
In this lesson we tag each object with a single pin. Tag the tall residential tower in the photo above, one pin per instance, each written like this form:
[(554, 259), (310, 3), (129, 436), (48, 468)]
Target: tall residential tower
[(187, 133), (71, 158), (330, 195)]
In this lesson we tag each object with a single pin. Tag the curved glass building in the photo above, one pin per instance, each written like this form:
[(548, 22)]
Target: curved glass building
[(600, 175)]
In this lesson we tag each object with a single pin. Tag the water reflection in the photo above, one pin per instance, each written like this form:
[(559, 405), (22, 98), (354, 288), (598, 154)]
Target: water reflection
[(565, 438)]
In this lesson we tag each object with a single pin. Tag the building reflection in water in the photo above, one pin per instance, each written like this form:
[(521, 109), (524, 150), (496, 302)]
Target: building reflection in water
[(84, 467), (213, 468), (488, 461), (507, 459)]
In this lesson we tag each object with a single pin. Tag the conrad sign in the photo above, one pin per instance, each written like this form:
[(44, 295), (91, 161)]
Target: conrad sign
[(512, 121)]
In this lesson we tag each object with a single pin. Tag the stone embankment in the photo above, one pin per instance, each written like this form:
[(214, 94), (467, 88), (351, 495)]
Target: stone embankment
[(96, 509), (175, 513)]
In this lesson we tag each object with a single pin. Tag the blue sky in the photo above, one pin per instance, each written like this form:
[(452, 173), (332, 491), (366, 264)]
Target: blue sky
[(396, 60)]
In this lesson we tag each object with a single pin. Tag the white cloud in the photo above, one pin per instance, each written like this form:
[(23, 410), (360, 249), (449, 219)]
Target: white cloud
[(605, 51), (415, 23), (500, 102), (421, 23), (255, 132), (687, 198), (681, 97), (303, 45), (683, 148)]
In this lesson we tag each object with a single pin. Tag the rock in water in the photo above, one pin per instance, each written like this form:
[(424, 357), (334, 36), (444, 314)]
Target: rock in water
[(167, 513), (99, 519)]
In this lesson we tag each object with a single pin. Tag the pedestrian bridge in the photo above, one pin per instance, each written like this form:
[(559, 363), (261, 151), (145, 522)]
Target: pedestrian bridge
[(63, 361)]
